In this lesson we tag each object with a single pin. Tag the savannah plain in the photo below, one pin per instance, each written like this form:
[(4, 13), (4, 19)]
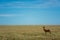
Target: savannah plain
[(29, 32)]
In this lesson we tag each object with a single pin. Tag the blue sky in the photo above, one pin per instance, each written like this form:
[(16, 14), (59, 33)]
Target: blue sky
[(29, 12)]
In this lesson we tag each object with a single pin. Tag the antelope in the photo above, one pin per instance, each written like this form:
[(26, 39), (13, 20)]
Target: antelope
[(46, 30)]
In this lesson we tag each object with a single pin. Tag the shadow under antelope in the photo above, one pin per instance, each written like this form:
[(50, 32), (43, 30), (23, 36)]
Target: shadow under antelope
[(46, 30)]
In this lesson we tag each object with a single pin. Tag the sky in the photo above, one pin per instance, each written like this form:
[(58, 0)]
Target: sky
[(29, 12)]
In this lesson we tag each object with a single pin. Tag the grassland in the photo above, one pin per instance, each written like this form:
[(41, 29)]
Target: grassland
[(29, 32)]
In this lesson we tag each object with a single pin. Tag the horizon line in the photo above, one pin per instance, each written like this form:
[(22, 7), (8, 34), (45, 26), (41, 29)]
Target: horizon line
[(27, 25)]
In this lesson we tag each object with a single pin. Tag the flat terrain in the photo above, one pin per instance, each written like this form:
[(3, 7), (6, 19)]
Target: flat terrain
[(29, 32)]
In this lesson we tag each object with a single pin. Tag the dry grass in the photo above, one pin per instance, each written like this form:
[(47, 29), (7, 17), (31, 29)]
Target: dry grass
[(29, 32)]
